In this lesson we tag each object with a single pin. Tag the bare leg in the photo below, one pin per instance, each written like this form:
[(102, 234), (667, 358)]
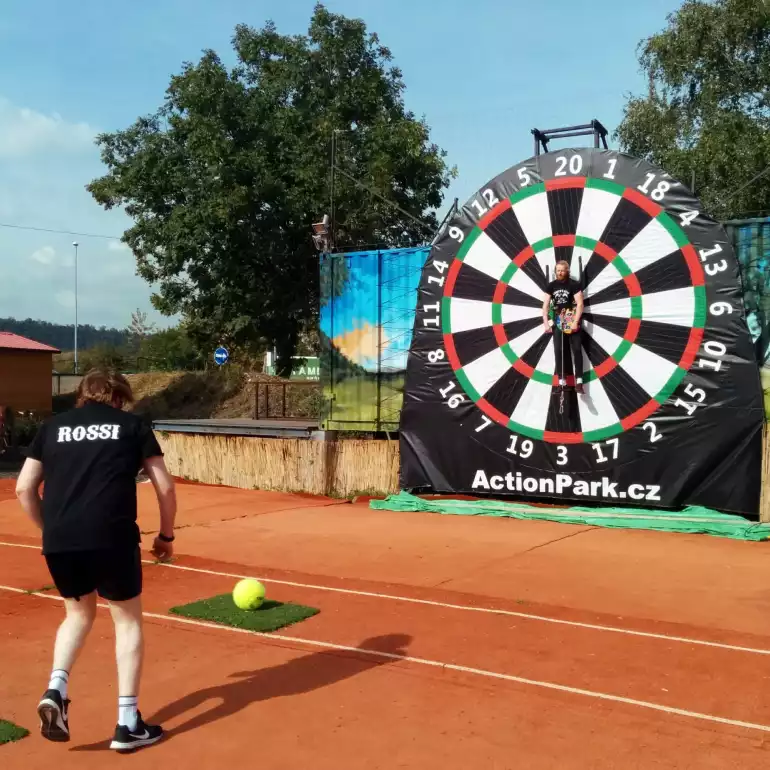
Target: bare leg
[(53, 708), (73, 631), (131, 732), (129, 645)]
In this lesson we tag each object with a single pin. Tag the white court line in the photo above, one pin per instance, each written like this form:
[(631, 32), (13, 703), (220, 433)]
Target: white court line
[(444, 605), (440, 665)]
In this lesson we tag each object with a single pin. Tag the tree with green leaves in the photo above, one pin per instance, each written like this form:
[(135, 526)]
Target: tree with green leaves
[(170, 350), (224, 181), (102, 356), (707, 110)]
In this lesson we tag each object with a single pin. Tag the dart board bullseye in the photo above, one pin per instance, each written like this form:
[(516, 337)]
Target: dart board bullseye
[(493, 343), (668, 382)]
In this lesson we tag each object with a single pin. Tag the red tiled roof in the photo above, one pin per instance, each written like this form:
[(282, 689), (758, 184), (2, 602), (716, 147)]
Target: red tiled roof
[(10, 341)]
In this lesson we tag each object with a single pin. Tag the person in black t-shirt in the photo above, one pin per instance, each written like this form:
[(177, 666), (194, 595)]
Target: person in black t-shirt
[(565, 294), (88, 459)]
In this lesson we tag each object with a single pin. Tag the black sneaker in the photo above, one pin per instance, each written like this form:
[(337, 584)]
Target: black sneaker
[(54, 716), (143, 735)]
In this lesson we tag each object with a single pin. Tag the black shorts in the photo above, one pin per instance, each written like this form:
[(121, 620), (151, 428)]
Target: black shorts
[(116, 574)]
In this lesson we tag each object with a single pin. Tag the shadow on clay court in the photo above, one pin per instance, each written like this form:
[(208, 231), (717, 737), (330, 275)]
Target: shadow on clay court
[(295, 677)]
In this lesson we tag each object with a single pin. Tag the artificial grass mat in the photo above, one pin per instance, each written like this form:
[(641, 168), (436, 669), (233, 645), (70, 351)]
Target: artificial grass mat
[(10, 732), (269, 617)]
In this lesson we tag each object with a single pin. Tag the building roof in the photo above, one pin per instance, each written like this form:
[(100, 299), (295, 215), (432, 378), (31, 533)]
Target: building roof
[(10, 341)]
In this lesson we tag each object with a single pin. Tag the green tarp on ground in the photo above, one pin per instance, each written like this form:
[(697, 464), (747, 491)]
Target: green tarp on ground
[(693, 519)]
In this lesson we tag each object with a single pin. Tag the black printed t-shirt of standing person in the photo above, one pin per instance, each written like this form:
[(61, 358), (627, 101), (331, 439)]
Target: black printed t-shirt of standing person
[(563, 293), (91, 456)]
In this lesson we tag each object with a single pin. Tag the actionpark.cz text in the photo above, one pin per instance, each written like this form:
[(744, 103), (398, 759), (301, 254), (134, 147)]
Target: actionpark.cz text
[(563, 484)]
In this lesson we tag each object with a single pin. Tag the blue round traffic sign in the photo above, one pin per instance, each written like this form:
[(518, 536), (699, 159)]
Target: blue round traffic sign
[(221, 355)]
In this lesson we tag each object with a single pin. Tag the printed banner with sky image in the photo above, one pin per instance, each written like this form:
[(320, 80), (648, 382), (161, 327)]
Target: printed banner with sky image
[(367, 314)]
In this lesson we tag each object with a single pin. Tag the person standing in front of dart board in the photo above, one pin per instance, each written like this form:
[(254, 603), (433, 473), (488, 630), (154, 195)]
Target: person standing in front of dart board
[(567, 298)]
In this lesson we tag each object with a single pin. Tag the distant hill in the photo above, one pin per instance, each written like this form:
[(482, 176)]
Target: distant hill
[(62, 337)]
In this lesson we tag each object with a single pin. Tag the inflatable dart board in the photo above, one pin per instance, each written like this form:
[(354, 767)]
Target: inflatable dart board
[(671, 412)]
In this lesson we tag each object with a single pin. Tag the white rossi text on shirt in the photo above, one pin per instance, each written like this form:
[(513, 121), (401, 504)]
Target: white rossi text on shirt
[(87, 432)]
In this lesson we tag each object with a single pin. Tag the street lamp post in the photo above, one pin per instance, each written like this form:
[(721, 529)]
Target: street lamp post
[(75, 244)]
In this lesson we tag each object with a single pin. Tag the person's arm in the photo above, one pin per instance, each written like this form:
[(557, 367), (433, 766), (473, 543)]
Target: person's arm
[(165, 491), (546, 308), (28, 490), (578, 308)]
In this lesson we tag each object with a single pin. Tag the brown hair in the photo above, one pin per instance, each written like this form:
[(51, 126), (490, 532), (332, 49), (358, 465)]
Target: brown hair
[(104, 387), (563, 262)]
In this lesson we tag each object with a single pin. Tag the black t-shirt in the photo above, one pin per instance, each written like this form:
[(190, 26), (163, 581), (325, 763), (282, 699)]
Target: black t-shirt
[(91, 456), (563, 293)]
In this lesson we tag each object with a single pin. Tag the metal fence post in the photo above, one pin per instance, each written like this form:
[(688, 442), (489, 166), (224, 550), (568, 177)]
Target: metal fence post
[(379, 339)]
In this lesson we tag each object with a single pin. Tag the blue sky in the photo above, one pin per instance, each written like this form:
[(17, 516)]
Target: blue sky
[(365, 305), (482, 73)]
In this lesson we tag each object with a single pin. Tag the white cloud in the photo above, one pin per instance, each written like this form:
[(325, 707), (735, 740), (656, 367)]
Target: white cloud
[(65, 298), (124, 268), (44, 256), (25, 132), (45, 163), (48, 256)]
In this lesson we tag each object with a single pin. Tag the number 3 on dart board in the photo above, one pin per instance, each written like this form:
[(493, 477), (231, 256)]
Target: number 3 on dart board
[(669, 397)]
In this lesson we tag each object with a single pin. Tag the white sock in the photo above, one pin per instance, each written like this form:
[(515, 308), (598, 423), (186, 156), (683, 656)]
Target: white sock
[(127, 711), (579, 380), (59, 681)]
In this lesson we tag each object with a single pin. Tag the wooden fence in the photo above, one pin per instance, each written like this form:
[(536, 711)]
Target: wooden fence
[(339, 468), (764, 503)]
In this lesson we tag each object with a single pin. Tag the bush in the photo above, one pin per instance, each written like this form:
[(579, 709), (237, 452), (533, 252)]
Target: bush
[(25, 427), (170, 350), (102, 357)]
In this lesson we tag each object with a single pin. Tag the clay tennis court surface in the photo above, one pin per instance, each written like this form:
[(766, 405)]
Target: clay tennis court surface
[(442, 642)]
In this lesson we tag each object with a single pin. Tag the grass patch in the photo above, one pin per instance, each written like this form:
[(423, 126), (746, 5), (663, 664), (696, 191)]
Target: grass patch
[(269, 617), (356, 402), (10, 732)]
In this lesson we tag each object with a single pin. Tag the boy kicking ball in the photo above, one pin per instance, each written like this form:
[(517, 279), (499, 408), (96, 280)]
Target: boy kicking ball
[(89, 458)]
